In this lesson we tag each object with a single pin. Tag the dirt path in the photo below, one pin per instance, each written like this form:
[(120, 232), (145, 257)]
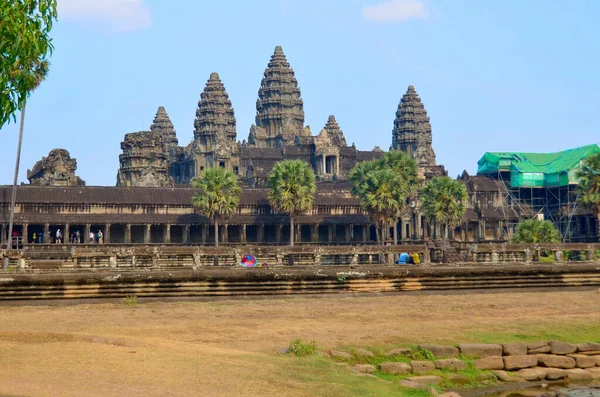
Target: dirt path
[(229, 348)]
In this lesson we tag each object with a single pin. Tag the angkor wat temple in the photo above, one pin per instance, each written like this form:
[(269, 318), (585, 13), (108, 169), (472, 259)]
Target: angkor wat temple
[(152, 200)]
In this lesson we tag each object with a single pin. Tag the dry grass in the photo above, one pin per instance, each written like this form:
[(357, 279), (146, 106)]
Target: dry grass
[(229, 348)]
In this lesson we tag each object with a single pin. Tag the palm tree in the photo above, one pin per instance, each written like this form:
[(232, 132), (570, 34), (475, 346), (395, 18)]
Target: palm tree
[(405, 167), (218, 196), (444, 201), (293, 189), (589, 186), (536, 231), (38, 75)]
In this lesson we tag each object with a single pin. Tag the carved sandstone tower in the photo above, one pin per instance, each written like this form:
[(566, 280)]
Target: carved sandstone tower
[(146, 155), (162, 124), (412, 130), (335, 132), (58, 169), (279, 109), (214, 128)]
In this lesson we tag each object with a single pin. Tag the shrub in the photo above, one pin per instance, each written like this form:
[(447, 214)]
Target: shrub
[(302, 349), (130, 301)]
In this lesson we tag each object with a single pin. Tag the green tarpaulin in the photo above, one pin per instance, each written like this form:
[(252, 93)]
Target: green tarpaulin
[(536, 169)]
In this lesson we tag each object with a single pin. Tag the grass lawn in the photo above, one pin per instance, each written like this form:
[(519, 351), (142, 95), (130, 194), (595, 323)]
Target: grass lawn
[(230, 348)]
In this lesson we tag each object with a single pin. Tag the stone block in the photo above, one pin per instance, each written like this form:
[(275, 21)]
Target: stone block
[(556, 373), (590, 353), (452, 364), (401, 351), (582, 361), (512, 363), (480, 350), (364, 368), (440, 350), (597, 359), (495, 362), (539, 350), (549, 360), (420, 367), (576, 374), (412, 385), (536, 345), (459, 379), (595, 372), (504, 376), (394, 368), (531, 374), (514, 349), (339, 354), (557, 347), (449, 394), (426, 380), (585, 347), (364, 353)]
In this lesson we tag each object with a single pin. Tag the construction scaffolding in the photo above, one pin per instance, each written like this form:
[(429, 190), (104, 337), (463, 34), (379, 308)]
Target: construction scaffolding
[(542, 185)]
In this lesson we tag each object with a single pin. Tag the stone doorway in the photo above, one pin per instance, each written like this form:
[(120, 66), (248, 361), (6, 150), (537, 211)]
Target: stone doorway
[(117, 234), (305, 233), (157, 234), (177, 232), (137, 234)]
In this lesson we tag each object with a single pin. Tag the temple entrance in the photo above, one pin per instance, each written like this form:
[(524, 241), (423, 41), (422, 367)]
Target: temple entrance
[(340, 234), (323, 233), (372, 233), (270, 234), (36, 231), (177, 232), (234, 233), (285, 234), (305, 233), (251, 233), (117, 234), (137, 234), (157, 234), (196, 234)]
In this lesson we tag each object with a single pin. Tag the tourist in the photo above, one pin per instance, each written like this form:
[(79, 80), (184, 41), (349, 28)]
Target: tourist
[(58, 236), (34, 237), (403, 259), (77, 237), (92, 237), (100, 237)]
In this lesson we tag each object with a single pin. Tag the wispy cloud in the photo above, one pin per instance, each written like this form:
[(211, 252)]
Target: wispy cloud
[(116, 15), (396, 11)]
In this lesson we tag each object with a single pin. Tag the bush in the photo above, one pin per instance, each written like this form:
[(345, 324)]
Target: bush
[(130, 301), (302, 349)]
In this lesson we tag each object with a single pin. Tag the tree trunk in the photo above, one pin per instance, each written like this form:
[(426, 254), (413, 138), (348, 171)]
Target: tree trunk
[(14, 189), (216, 233), (291, 231), (395, 232), (444, 257), (377, 236)]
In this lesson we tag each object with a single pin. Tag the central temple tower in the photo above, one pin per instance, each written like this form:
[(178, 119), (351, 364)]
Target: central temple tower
[(279, 108)]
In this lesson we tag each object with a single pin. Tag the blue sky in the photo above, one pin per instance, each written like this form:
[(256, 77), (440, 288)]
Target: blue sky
[(508, 75)]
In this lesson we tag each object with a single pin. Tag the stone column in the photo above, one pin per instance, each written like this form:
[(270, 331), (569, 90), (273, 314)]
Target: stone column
[(186, 234), (86, 233), (67, 234), (225, 233), (107, 233), (365, 228), (147, 234), (204, 233), (314, 233), (128, 233), (324, 165), (337, 165), (167, 234), (243, 236), (419, 227), (3, 233), (348, 231), (25, 233), (46, 237), (330, 233)]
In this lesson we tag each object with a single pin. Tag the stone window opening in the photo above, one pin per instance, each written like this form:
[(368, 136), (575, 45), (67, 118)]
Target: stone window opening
[(222, 164)]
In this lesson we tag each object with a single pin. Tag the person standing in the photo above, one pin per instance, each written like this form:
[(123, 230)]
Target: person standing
[(91, 237), (34, 237), (58, 236), (100, 237), (77, 237)]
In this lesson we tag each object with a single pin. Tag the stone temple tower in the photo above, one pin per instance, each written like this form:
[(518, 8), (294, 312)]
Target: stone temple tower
[(412, 130), (162, 124), (214, 128), (279, 109)]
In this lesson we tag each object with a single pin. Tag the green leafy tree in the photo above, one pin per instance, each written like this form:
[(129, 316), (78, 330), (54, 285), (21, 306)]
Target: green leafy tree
[(443, 200), (218, 196), (383, 187), (25, 44), (589, 186), (292, 189), (536, 231)]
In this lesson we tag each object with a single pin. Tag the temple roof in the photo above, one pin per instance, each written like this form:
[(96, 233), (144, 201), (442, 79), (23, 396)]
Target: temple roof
[(335, 133), (215, 114)]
